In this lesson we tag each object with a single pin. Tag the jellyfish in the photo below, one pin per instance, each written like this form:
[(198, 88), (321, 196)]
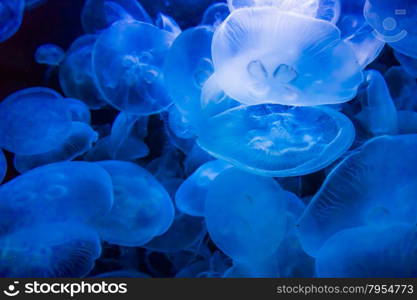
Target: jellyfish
[(59, 192), (49, 250), (178, 124), (98, 15), (264, 55), (80, 112), (49, 54), (80, 140), (379, 114), (375, 185), (127, 62), (408, 63), (168, 23), (191, 196), (394, 23), (11, 16), (351, 19), (76, 73), (215, 14), (278, 141), (370, 252), (142, 207), (3, 166), (33, 121), (234, 203)]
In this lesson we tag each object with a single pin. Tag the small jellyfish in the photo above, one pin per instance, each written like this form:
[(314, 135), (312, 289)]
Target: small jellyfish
[(49, 54), (191, 195), (278, 141), (142, 207), (98, 15), (168, 23), (375, 185), (11, 15), (80, 112), (49, 250), (408, 63), (79, 141), (264, 55), (215, 14), (394, 23), (245, 215), (76, 73), (33, 121), (370, 252), (127, 62), (3, 166)]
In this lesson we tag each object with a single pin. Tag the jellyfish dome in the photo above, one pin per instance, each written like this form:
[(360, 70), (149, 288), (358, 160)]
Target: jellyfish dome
[(33, 121), (49, 250), (142, 207), (80, 112), (3, 166), (11, 15), (127, 61), (258, 58), (370, 252), (278, 141), (49, 54), (245, 215), (168, 23), (215, 14), (375, 185)]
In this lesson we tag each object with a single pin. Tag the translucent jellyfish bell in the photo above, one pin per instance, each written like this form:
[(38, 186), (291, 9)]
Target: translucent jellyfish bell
[(370, 252), (264, 55), (127, 62), (33, 121), (11, 15), (80, 112), (49, 54), (375, 185), (49, 250), (3, 166), (215, 14), (142, 208), (278, 141), (168, 23)]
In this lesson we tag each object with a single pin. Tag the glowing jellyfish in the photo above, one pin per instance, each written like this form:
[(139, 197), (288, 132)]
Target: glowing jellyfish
[(80, 112), (278, 141), (79, 141), (375, 185), (142, 208), (49, 250), (167, 23), (33, 121), (258, 58), (394, 23), (3, 166), (235, 201), (215, 14), (49, 54), (11, 15), (76, 73), (57, 192), (98, 15), (127, 62), (370, 252), (191, 196)]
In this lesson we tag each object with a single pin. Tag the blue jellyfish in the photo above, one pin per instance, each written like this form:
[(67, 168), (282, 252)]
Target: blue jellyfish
[(80, 112), (375, 185), (76, 73), (11, 15), (57, 192), (168, 23), (258, 59), (191, 196), (49, 250), (394, 23), (142, 208), (351, 19), (370, 252), (178, 124), (379, 114), (408, 63), (80, 140), (215, 14), (3, 166), (49, 54), (98, 15), (127, 62), (278, 141), (33, 121)]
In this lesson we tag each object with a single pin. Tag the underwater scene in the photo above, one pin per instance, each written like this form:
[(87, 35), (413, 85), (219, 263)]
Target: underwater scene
[(208, 139)]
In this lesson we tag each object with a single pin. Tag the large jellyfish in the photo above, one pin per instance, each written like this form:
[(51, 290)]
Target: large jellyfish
[(33, 121), (370, 252), (258, 58), (142, 208), (76, 73), (49, 54), (394, 23), (3, 166), (278, 141), (49, 250), (375, 185), (127, 61), (11, 15)]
